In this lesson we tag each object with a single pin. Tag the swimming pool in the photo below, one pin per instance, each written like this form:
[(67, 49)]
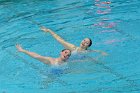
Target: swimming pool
[(113, 26)]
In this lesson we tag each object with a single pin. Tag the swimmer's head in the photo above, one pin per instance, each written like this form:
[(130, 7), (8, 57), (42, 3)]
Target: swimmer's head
[(90, 42), (65, 54), (87, 42)]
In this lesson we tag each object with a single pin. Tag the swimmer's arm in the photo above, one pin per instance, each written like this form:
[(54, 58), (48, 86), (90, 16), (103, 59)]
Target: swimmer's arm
[(34, 55), (99, 51), (37, 56), (59, 39)]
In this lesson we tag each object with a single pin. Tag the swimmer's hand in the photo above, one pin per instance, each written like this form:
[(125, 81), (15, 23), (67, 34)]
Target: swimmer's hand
[(45, 29), (104, 53), (19, 48)]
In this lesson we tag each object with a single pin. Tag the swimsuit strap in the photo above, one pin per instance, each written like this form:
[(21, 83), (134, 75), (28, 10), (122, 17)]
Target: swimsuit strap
[(75, 50)]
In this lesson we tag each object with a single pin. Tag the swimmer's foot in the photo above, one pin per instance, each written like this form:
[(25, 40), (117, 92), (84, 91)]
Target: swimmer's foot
[(104, 54)]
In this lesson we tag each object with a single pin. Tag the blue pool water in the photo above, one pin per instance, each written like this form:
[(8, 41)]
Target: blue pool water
[(112, 25)]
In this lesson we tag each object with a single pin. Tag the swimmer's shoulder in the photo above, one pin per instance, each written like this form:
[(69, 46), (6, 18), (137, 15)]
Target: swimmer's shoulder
[(56, 62), (52, 60)]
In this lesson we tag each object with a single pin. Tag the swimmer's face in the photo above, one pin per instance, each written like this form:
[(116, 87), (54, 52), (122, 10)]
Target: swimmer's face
[(65, 54), (85, 43)]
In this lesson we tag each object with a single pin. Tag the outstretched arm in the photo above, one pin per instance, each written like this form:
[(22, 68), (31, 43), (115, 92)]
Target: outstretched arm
[(34, 55), (59, 39), (99, 51)]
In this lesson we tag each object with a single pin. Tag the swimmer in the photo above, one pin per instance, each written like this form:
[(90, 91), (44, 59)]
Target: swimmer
[(64, 55), (85, 44)]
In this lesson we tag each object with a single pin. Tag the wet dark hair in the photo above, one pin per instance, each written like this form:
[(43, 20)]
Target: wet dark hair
[(90, 42), (66, 49)]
